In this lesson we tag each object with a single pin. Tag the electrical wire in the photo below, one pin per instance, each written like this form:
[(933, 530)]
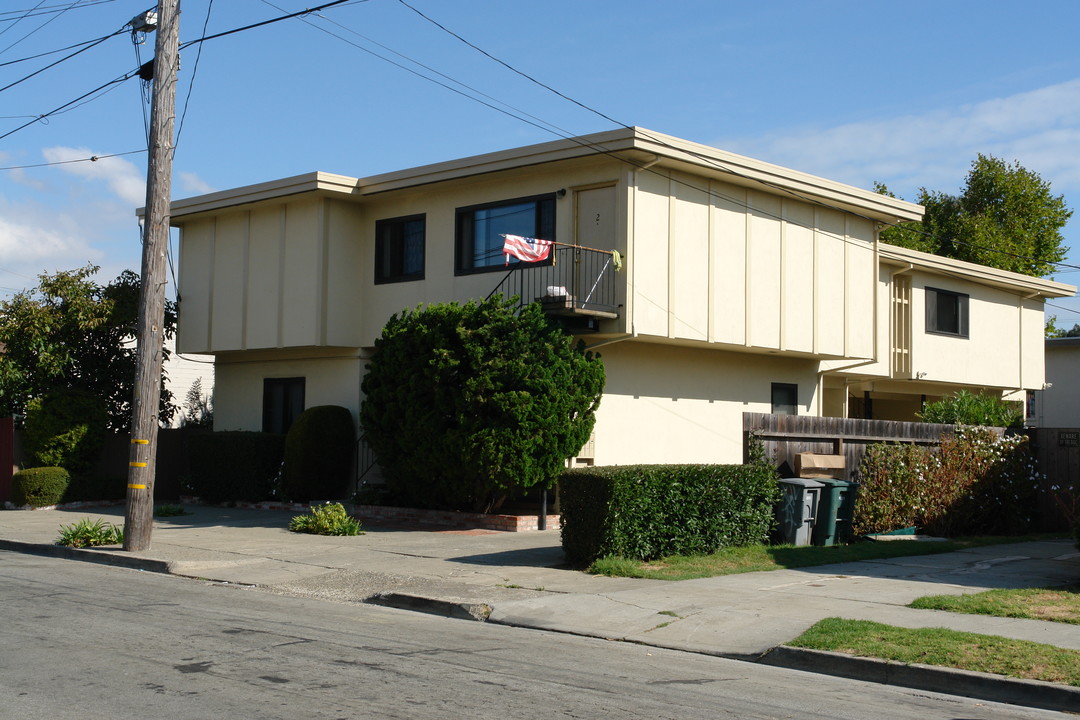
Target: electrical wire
[(191, 83), (92, 158), (712, 161), (79, 5), (38, 28), (68, 105), (92, 44)]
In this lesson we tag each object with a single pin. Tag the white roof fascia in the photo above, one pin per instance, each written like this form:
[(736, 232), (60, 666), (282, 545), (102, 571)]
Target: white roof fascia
[(983, 274), (633, 145), (318, 182)]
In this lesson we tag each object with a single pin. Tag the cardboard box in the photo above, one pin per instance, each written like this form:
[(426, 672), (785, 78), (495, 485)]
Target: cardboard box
[(815, 465)]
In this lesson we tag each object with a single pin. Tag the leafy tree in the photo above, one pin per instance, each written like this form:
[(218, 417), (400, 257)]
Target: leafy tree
[(70, 332), (1005, 217), (1053, 331), (466, 403)]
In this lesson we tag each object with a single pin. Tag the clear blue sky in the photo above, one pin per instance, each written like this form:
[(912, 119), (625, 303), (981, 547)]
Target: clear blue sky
[(906, 93)]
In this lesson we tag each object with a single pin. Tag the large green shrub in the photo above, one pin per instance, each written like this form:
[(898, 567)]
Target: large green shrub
[(650, 511), (974, 483), (65, 428), (966, 408), (466, 403), (40, 486), (318, 452), (234, 465)]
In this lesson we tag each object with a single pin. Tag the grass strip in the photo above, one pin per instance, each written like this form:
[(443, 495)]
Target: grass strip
[(755, 558), (946, 648), (1060, 604)]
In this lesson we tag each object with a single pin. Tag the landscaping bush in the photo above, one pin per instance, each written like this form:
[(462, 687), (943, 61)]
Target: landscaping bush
[(975, 483), (39, 487), (328, 519), (90, 533), (65, 428), (650, 511), (318, 452), (465, 405), (234, 465), (966, 408)]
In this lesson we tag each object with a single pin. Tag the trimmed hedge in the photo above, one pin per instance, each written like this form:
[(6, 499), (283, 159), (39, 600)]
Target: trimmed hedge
[(645, 512), (318, 453), (65, 428), (39, 487), (234, 465)]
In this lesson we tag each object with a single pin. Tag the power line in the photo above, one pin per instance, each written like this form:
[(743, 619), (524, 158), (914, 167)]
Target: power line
[(92, 158), (92, 44), (194, 71), (110, 84), (712, 161), (47, 9)]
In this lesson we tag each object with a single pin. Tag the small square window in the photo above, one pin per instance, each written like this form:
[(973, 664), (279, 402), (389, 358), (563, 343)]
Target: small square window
[(399, 249), (946, 312), (785, 399), (480, 230)]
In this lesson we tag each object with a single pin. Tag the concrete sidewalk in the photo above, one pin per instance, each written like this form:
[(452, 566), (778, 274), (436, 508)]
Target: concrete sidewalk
[(520, 579)]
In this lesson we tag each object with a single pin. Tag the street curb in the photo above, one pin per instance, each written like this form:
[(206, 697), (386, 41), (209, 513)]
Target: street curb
[(431, 606), (103, 557), (949, 681)]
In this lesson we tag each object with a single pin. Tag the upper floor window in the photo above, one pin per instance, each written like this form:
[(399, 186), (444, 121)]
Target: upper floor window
[(399, 249), (946, 312), (479, 241)]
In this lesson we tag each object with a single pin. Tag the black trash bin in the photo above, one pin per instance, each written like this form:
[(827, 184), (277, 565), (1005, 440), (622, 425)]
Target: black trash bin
[(797, 510)]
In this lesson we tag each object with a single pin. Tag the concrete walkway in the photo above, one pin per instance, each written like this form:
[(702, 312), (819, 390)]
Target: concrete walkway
[(520, 579)]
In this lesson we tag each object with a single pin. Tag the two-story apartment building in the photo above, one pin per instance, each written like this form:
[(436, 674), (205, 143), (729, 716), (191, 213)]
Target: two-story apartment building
[(742, 286)]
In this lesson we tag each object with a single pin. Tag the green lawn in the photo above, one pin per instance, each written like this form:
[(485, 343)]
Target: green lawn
[(948, 648), (754, 558), (1054, 604)]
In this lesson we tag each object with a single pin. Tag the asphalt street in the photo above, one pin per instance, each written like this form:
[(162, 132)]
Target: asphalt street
[(82, 640)]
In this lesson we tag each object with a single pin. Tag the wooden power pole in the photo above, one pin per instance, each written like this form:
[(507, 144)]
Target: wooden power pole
[(138, 519)]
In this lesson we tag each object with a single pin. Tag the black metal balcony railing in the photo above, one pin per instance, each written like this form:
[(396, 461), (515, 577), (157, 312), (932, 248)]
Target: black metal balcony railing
[(580, 281)]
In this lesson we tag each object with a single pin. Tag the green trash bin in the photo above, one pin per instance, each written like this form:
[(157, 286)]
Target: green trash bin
[(836, 508)]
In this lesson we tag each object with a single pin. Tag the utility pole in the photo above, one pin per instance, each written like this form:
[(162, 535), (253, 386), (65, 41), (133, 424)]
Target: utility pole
[(138, 518)]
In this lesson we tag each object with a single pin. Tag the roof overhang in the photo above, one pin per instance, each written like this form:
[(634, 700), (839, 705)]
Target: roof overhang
[(985, 275), (635, 146)]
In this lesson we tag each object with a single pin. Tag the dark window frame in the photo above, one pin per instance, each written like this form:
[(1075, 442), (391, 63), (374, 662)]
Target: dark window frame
[(783, 396), (390, 239), (949, 318), (465, 250), (282, 404)]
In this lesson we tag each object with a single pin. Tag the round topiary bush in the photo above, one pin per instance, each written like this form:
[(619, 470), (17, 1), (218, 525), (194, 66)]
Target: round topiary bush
[(65, 428), (318, 452), (39, 487)]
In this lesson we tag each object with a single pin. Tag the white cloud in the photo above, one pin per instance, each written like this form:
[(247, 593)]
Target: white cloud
[(122, 177), (192, 183), (1039, 128)]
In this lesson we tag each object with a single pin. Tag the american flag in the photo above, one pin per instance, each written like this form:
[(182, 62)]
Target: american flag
[(526, 249)]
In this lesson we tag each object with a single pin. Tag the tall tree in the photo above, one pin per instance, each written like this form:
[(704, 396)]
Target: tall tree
[(1005, 217), (71, 332)]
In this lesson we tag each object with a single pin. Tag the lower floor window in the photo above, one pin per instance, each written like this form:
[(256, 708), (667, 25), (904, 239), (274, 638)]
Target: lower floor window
[(283, 401), (785, 399)]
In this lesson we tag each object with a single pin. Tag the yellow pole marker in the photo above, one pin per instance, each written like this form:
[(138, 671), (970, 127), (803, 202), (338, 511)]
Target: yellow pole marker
[(137, 487), (138, 441), (136, 464)]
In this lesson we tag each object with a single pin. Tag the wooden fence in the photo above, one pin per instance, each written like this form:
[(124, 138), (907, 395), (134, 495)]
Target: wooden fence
[(1058, 453), (785, 436)]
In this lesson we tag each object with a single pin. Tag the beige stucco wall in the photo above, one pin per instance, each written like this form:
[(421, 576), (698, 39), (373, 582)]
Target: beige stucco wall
[(717, 263), (330, 379), (665, 403), (1059, 405), (272, 275), (1004, 345)]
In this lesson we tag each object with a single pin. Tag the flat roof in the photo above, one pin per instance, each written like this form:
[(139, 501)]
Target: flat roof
[(636, 146)]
